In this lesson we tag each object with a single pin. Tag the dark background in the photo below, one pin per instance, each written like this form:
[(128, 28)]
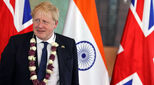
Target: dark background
[(112, 15)]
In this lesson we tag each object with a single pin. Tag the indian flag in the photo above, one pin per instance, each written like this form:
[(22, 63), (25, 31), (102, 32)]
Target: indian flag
[(82, 25)]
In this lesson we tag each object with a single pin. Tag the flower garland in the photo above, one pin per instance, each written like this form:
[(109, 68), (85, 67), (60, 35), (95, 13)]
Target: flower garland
[(32, 59)]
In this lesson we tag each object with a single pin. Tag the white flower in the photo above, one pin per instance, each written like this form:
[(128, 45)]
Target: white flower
[(55, 44), (45, 80), (53, 52), (34, 77), (33, 48), (31, 58), (50, 61), (49, 71), (62, 46), (32, 68), (32, 40)]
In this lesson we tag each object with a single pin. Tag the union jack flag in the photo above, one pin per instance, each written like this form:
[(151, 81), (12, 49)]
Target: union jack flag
[(15, 18), (135, 60)]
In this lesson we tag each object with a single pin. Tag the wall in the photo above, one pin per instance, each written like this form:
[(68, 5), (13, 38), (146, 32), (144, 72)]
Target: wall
[(62, 5)]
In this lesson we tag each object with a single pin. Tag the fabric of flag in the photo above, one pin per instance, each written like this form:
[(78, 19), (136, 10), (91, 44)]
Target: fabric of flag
[(82, 25), (15, 18), (135, 60)]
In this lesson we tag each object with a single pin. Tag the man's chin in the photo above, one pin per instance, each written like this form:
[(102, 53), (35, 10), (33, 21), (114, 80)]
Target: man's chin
[(40, 36)]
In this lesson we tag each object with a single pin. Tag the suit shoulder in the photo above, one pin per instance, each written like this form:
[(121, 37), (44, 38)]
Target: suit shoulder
[(63, 37), (64, 40), (22, 36)]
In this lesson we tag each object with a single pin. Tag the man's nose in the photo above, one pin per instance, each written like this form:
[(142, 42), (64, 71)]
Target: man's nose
[(40, 24)]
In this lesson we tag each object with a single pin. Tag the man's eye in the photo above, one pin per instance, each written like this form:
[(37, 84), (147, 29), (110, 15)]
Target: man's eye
[(37, 20), (45, 22)]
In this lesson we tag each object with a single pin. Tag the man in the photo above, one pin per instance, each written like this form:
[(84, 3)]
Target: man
[(23, 60)]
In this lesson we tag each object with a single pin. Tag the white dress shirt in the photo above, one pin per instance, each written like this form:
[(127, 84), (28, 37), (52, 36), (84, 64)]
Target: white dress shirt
[(54, 78)]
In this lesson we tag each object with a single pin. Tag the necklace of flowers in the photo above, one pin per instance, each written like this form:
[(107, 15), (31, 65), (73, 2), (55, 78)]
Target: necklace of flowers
[(32, 59)]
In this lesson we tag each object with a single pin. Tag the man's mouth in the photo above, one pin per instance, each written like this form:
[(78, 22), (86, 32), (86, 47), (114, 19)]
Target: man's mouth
[(40, 31)]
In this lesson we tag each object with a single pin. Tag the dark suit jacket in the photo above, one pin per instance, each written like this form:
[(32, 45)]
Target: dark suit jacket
[(14, 61)]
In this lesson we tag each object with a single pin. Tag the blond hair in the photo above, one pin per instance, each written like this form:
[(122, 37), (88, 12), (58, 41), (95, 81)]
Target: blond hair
[(46, 7)]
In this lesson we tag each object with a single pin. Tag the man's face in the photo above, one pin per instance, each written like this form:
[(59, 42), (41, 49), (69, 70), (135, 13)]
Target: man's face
[(43, 25)]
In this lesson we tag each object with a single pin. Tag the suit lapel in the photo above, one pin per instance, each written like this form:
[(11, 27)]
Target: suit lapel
[(61, 61)]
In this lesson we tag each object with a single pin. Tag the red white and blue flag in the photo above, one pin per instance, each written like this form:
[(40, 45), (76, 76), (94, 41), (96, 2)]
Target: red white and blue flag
[(15, 18), (135, 60)]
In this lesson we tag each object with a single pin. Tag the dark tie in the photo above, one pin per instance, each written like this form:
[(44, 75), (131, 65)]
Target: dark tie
[(43, 63)]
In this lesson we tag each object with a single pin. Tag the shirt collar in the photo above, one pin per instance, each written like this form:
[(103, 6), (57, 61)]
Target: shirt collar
[(50, 40)]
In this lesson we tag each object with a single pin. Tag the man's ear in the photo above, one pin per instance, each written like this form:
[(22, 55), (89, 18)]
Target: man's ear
[(56, 24)]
